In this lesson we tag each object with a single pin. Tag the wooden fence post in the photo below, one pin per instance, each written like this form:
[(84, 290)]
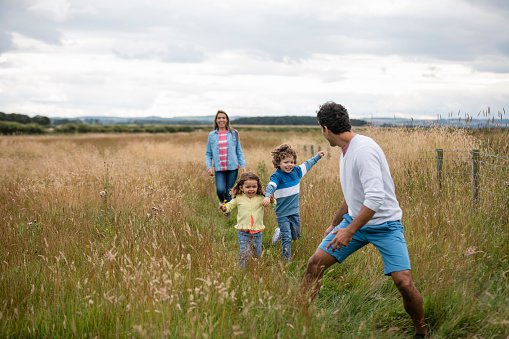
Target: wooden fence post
[(440, 166), (311, 148), (475, 177)]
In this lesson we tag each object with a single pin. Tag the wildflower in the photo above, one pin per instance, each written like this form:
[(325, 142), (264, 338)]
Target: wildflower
[(87, 246), (471, 251), (102, 193)]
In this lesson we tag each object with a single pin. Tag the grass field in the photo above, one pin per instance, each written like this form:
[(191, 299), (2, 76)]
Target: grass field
[(119, 236)]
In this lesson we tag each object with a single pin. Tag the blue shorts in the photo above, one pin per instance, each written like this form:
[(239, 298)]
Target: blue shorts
[(388, 238)]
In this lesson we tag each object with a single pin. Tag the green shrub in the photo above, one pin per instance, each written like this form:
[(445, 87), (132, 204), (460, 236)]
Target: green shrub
[(85, 128), (11, 128), (67, 128), (33, 128)]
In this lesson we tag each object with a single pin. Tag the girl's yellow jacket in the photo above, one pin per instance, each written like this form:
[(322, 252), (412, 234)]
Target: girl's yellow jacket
[(247, 208)]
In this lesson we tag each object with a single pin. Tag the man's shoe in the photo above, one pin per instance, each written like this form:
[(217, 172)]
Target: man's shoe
[(276, 237)]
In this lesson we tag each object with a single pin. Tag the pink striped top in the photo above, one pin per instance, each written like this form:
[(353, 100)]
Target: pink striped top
[(223, 150)]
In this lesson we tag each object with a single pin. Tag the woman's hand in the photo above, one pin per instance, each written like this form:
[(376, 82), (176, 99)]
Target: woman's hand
[(243, 169), (321, 154), (266, 201), (210, 171)]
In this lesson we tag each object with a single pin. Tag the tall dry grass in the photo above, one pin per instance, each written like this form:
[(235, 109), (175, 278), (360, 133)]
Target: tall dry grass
[(118, 236)]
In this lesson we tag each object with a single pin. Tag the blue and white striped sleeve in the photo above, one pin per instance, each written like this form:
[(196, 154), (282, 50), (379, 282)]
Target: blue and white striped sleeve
[(272, 186), (306, 166)]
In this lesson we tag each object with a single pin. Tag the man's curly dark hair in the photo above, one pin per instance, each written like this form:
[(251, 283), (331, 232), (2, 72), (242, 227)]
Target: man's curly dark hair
[(281, 152), (334, 116)]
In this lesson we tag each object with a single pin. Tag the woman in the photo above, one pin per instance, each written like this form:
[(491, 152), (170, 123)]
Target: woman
[(223, 146)]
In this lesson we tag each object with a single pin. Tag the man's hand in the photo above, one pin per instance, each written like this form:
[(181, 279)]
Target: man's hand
[(222, 208), (266, 201), (210, 171), (328, 230), (342, 238), (243, 169)]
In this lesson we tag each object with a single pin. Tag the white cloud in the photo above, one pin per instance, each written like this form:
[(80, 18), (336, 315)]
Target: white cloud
[(170, 58), (53, 9)]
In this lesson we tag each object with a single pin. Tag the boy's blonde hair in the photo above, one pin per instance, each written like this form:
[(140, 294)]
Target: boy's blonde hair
[(243, 178), (281, 152)]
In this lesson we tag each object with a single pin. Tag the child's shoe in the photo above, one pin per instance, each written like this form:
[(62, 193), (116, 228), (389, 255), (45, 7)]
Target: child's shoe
[(276, 237)]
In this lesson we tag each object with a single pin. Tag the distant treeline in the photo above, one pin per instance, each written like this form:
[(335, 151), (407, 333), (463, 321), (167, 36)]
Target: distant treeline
[(42, 120), (15, 128), (25, 119), (65, 121), (287, 120), (166, 121)]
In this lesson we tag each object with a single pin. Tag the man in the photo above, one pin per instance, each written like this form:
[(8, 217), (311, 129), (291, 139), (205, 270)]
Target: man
[(370, 213)]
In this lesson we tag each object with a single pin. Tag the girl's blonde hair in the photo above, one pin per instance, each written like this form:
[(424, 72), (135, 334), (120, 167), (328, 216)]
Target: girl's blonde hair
[(243, 178)]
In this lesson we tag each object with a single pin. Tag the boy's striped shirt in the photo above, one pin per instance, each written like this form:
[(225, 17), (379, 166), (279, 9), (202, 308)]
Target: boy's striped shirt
[(286, 187)]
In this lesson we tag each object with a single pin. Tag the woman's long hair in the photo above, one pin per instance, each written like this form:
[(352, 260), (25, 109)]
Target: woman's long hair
[(228, 128)]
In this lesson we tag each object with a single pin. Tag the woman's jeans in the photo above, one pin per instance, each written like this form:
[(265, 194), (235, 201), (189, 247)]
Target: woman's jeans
[(225, 180), (250, 245)]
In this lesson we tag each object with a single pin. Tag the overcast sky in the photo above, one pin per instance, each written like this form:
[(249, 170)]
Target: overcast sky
[(137, 58)]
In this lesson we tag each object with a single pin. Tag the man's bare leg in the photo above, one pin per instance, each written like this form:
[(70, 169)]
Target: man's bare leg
[(312, 280), (412, 298)]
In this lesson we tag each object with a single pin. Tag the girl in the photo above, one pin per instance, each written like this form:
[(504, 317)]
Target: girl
[(247, 196)]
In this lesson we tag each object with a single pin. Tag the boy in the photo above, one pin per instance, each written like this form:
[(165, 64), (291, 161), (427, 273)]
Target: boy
[(284, 184)]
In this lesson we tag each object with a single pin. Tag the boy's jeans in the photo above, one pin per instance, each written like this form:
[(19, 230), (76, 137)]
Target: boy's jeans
[(225, 180), (289, 227), (250, 245)]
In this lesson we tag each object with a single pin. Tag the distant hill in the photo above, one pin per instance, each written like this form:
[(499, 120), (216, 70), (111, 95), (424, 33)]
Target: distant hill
[(200, 120), (279, 121), (474, 123), (152, 120), (286, 121)]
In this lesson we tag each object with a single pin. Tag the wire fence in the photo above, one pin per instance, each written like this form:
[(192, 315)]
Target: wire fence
[(313, 148), (484, 177)]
